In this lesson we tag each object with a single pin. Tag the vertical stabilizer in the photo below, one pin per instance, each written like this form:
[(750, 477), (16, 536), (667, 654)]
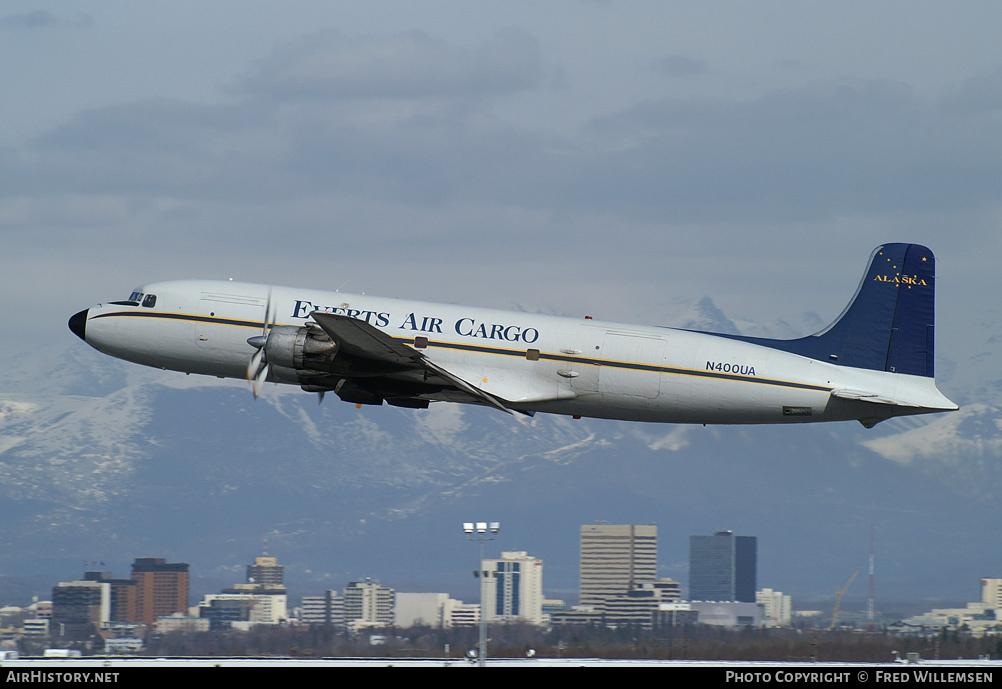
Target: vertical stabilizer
[(888, 325)]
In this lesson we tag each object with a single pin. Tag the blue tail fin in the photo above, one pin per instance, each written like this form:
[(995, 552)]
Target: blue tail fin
[(888, 325)]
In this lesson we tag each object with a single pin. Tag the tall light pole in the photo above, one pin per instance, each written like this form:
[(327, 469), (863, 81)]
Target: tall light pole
[(481, 532)]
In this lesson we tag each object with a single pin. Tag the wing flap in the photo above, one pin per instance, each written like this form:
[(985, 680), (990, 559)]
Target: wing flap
[(513, 386), (466, 387)]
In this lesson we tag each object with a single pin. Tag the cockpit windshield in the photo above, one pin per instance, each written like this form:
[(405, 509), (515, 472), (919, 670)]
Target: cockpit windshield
[(148, 300)]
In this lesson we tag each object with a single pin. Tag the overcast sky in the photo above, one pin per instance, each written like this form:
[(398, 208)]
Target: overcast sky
[(577, 157)]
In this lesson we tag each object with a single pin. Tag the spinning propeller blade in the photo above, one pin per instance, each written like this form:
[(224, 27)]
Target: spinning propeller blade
[(258, 367)]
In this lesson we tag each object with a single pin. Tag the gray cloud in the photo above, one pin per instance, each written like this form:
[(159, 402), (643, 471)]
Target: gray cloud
[(400, 118), (980, 94), (679, 66), (802, 154), (814, 151), (159, 147), (42, 19), (328, 64)]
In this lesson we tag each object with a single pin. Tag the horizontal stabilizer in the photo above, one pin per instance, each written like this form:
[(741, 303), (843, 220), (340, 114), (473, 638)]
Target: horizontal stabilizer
[(873, 397)]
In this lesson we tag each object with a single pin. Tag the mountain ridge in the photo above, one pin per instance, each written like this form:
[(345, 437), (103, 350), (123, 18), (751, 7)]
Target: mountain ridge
[(104, 460)]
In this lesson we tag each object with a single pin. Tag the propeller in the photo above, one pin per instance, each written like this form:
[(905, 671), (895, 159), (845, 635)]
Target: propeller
[(258, 367)]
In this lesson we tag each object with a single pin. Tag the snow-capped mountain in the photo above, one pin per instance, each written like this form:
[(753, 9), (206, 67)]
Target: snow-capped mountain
[(106, 461)]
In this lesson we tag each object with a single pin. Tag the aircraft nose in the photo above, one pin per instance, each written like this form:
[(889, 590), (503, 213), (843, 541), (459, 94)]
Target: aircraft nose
[(78, 324)]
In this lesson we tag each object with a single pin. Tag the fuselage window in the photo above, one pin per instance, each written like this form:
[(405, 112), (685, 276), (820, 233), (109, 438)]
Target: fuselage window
[(150, 301)]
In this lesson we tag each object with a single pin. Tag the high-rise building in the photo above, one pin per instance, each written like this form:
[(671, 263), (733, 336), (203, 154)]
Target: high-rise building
[(162, 588), (327, 609), (722, 567), (615, 559), (266, 573), (263, 595), (778, 607), (512, 588), (80, 607), (123, 595), (991, 592), (367, 604), (264, 577)]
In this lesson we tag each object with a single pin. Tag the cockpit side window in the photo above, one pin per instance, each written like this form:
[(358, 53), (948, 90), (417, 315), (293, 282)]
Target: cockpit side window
[(150, 301)]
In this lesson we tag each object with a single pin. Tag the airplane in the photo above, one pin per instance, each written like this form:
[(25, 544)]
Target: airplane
[(874, 362)]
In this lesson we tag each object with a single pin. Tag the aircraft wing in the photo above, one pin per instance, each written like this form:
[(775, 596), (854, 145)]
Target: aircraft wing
[(359, 339), (356, 338)]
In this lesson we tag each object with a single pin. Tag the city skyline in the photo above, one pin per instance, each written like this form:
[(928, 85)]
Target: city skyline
[(205, 583), (86, 604), (623, 551)]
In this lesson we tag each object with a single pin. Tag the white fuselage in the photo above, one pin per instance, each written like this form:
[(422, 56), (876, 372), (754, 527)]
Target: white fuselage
[(534, 362)]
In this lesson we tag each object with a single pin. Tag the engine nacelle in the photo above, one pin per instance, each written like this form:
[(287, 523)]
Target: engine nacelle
[(304, 348)]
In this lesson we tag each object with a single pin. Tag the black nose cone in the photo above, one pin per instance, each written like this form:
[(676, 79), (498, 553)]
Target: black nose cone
[(78, 324)]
